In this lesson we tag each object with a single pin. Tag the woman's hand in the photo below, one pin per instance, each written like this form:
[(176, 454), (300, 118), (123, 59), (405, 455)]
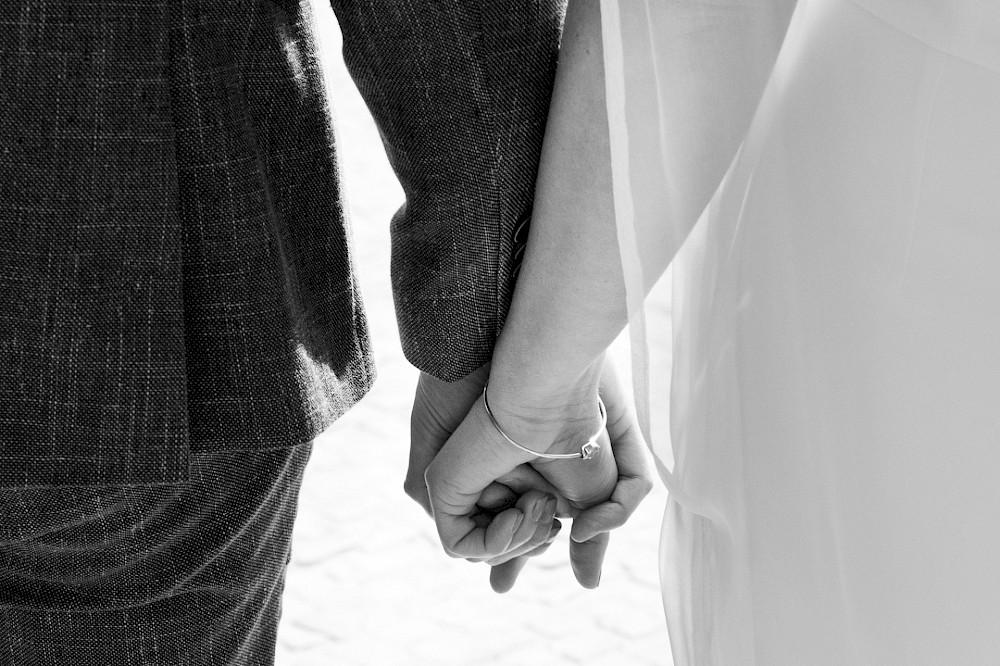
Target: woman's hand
[(477, 455), (474, 458), (439, 408)]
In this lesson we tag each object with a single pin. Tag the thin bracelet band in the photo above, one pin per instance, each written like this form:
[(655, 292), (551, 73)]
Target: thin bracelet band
[(589, 449)]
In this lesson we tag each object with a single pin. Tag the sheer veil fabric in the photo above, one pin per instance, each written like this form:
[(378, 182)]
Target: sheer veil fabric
[(833, 216)]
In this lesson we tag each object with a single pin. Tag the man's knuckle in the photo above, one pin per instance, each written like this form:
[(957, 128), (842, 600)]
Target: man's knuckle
[(412, 493), (645, 486), (619, 514)]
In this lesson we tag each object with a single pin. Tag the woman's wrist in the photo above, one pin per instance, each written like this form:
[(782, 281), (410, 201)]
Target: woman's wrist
[(542, 412)]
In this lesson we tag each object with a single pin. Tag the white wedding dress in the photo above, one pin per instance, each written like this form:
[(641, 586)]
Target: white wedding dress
[(834, 458)]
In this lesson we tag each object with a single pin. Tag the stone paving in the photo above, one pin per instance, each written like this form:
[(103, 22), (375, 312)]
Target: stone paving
[(368, 583)]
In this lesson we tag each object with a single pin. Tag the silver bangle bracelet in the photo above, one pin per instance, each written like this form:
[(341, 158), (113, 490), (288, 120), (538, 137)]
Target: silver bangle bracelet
[(589, 449)]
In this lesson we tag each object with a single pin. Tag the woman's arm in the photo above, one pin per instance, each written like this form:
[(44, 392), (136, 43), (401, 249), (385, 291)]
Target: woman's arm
[(569, 303)]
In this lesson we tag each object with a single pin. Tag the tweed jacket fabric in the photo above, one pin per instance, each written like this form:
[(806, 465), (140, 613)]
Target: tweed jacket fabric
[(460, 91), (175, 263)]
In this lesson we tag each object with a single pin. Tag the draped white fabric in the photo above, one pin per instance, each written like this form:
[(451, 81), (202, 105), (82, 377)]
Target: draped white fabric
[(835, 398)]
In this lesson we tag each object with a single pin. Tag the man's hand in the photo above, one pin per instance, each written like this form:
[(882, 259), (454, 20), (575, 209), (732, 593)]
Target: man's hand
[(438, 409)]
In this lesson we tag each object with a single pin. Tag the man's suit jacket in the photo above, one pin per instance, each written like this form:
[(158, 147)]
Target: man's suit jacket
[(175, 265)]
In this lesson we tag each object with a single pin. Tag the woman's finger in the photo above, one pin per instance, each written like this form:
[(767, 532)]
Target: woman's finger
[(634, 483), (467, 464), (508, 531), (546, 517), (589, 536), (520, 492), (538, 528)]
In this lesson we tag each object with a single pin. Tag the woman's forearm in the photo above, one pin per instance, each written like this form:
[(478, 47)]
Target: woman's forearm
[(569, 301), (714, 59)]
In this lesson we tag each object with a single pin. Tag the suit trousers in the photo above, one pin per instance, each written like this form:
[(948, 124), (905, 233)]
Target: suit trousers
[(187, 574)]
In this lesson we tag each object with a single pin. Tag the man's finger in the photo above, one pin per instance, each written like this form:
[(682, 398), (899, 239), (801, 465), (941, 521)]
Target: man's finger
[(587, 559), (422, 452), (426, 439), (438, 409), (503, 576), (503, 493), (416, 490), (523, 478)]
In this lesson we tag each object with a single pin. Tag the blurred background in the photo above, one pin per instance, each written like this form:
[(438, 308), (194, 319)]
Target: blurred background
[(368, 583)]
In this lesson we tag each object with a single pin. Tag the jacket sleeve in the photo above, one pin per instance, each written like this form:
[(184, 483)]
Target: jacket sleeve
[(460, 93)]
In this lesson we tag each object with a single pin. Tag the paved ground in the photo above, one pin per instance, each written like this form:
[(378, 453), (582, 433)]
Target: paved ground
[(368, 584)]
